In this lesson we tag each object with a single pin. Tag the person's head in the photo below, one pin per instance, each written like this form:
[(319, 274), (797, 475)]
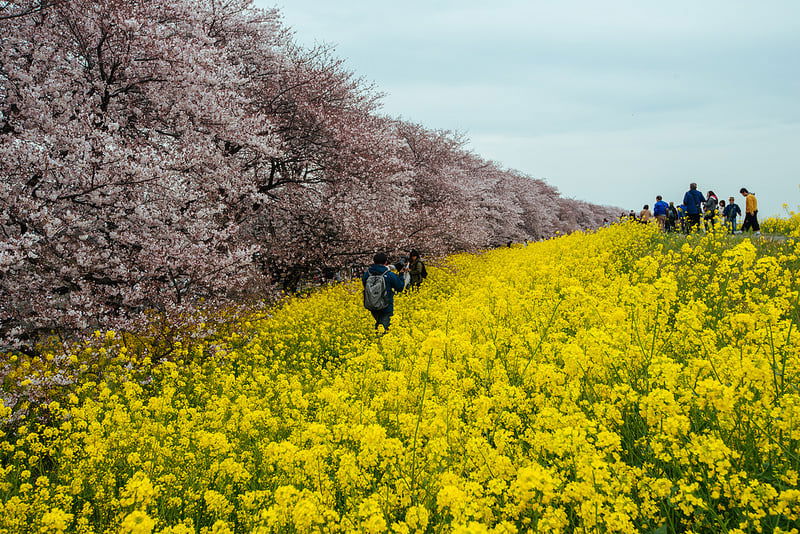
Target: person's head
[(711, 194), (672, 204), (722, 203), (692, 185), (380, 258), (646, 207), (658, 197), (731, 200), (413, 255), (744, 191)]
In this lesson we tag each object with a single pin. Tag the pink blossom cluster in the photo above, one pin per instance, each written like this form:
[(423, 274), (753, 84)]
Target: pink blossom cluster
[(157, 155)]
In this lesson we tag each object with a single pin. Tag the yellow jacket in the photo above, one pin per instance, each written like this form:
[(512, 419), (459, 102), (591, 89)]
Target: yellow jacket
[(750, 204)]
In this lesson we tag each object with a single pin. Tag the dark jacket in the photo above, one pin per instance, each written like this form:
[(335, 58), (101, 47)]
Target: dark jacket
[(693, 199), (394, 283), (731, 211), (672, 213), (417, 271)]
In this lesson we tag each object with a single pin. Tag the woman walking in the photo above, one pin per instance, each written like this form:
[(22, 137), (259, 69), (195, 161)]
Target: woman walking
[(416, 268)]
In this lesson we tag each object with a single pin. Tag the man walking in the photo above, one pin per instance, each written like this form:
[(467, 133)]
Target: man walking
[(750, 212), (672, 217), (380, 285), (660, 212), (693, 200)]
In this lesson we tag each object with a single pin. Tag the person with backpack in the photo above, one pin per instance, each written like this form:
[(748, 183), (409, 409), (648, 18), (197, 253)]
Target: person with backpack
[(672, 217), (416, 268), (380, 285)]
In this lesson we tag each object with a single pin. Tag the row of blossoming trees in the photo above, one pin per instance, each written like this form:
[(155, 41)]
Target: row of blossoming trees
[(156, 154)]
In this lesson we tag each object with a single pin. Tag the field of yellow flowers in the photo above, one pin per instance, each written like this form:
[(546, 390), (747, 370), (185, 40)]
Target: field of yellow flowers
[(788, 225), (618, 381)]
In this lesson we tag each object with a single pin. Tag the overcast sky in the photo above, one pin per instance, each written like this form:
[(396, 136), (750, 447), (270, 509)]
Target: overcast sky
[(611, 102)]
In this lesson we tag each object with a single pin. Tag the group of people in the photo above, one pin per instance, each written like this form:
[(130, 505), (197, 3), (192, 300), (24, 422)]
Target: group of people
[(708, 207), (381, 283)]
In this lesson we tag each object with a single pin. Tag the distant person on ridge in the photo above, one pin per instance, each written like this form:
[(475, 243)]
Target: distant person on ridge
[(750, 212), (710, 210), (730, 213), (672, 217), (380, 285), (660, 212), (682, 218), (693, 200), (645, 215)]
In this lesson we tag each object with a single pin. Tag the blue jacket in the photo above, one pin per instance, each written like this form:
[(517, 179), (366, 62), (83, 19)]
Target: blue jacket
[(660, 208), (693, 199), (731, 211), (394, 283)]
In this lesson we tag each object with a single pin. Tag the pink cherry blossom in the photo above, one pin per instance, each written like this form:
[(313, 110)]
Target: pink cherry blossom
[(162, 155)]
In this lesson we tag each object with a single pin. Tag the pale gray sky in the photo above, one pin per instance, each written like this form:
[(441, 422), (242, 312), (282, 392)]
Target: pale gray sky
[(611, 102)]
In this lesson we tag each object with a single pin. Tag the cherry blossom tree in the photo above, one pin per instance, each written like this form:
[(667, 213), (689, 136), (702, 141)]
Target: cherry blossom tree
[(161, 155), (126, 147)]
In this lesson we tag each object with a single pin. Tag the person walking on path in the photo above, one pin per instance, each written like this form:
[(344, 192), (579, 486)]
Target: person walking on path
[(660, 209), (730, 213), (710, 210), (416, 268), (380, 285), (750, 212), (693, 200), (683, 219), (645, 215), (672, 217)]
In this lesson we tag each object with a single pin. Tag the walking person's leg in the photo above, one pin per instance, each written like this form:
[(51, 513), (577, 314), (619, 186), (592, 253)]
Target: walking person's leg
[(694, 222), (748, 222), (385, 320), (756, 226)]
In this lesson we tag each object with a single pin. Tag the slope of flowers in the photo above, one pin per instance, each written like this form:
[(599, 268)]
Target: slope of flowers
[(177, 154), (611, 382), (783, 225)]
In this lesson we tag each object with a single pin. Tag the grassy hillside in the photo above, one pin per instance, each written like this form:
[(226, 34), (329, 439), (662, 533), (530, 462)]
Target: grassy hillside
[(613, 382)]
